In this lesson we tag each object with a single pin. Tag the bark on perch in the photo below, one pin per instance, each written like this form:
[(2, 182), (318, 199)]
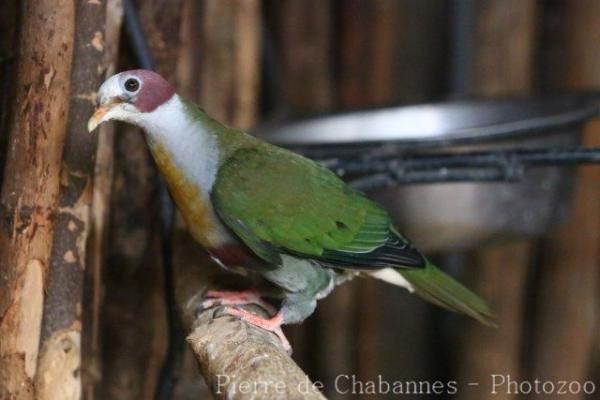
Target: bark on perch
[(240, 361), (30, 186), (230, 352)]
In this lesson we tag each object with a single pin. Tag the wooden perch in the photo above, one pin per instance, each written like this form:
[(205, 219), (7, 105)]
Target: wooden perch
[(240, 361), (237, 360)]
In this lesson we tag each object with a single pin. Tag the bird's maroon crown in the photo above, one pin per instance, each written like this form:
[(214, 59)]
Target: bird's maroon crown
[(155, 90)]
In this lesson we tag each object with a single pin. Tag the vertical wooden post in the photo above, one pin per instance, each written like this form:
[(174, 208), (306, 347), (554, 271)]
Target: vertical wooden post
[(229, 73), (568, 298), (134, 274), (9, 33), (504, 62), (304, 39), (91, 349), (58, 374), (30, 186)]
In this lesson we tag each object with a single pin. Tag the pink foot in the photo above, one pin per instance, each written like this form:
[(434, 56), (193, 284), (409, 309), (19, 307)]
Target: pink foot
[(269, 324), (231, 298)]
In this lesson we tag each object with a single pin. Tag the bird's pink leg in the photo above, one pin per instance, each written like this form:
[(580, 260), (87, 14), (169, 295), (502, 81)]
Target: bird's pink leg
[(231, 298), (251, 296), (272, 324)]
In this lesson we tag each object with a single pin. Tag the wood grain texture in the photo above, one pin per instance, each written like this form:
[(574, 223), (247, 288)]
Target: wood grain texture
[(229, 75), (304, 40), (134, 276), (61, 324), (9, 31), (91, 371), (499, 273), (373, 69), (366, 38), (132, 351), (567, 306), (31, 184), (505, 46), (506, 35), (368, 35)]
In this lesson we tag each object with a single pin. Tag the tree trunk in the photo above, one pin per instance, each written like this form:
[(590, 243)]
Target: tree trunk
[(31, 185)]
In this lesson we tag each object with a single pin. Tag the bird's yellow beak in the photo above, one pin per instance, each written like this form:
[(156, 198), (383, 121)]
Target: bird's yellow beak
[(99, 115), (96, 118)]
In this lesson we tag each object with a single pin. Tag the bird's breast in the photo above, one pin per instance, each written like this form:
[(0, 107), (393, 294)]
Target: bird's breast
[(194, 205)]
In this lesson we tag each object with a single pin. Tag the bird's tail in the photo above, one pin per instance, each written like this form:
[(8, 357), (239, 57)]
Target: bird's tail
[(435, 286)]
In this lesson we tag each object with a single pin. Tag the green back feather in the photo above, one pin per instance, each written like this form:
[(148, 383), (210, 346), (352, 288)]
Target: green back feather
[(296, 204)]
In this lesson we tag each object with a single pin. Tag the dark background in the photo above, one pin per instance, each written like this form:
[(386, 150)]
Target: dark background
[(248, 61)]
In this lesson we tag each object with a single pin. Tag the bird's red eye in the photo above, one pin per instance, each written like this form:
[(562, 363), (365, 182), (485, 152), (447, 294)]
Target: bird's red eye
[(132, 85)]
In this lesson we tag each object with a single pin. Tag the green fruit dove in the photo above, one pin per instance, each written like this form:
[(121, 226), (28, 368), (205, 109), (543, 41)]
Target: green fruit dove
[(269, 210)]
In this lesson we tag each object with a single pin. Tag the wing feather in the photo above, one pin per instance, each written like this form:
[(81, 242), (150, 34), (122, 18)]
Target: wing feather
[(275, 199)]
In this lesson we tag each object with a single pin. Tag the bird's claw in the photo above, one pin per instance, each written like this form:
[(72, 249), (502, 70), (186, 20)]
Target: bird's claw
[(231, 298), (272, 324)]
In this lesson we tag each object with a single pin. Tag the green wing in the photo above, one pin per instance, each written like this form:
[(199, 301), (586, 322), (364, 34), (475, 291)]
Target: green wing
[(278, 201)]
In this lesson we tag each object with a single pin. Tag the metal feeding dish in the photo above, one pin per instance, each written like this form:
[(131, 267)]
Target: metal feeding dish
[(454, 215)]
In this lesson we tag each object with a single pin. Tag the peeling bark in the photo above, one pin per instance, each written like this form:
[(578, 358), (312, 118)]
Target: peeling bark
[(31, 184), (58, 374), (61, 324), (230, 352), (234, 355)]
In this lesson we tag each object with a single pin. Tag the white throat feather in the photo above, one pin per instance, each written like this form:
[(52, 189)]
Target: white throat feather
[(192, 146)]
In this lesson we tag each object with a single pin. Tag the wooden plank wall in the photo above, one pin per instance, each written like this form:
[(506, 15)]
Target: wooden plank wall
[(567, 299), (503, 64), (344, 53)]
